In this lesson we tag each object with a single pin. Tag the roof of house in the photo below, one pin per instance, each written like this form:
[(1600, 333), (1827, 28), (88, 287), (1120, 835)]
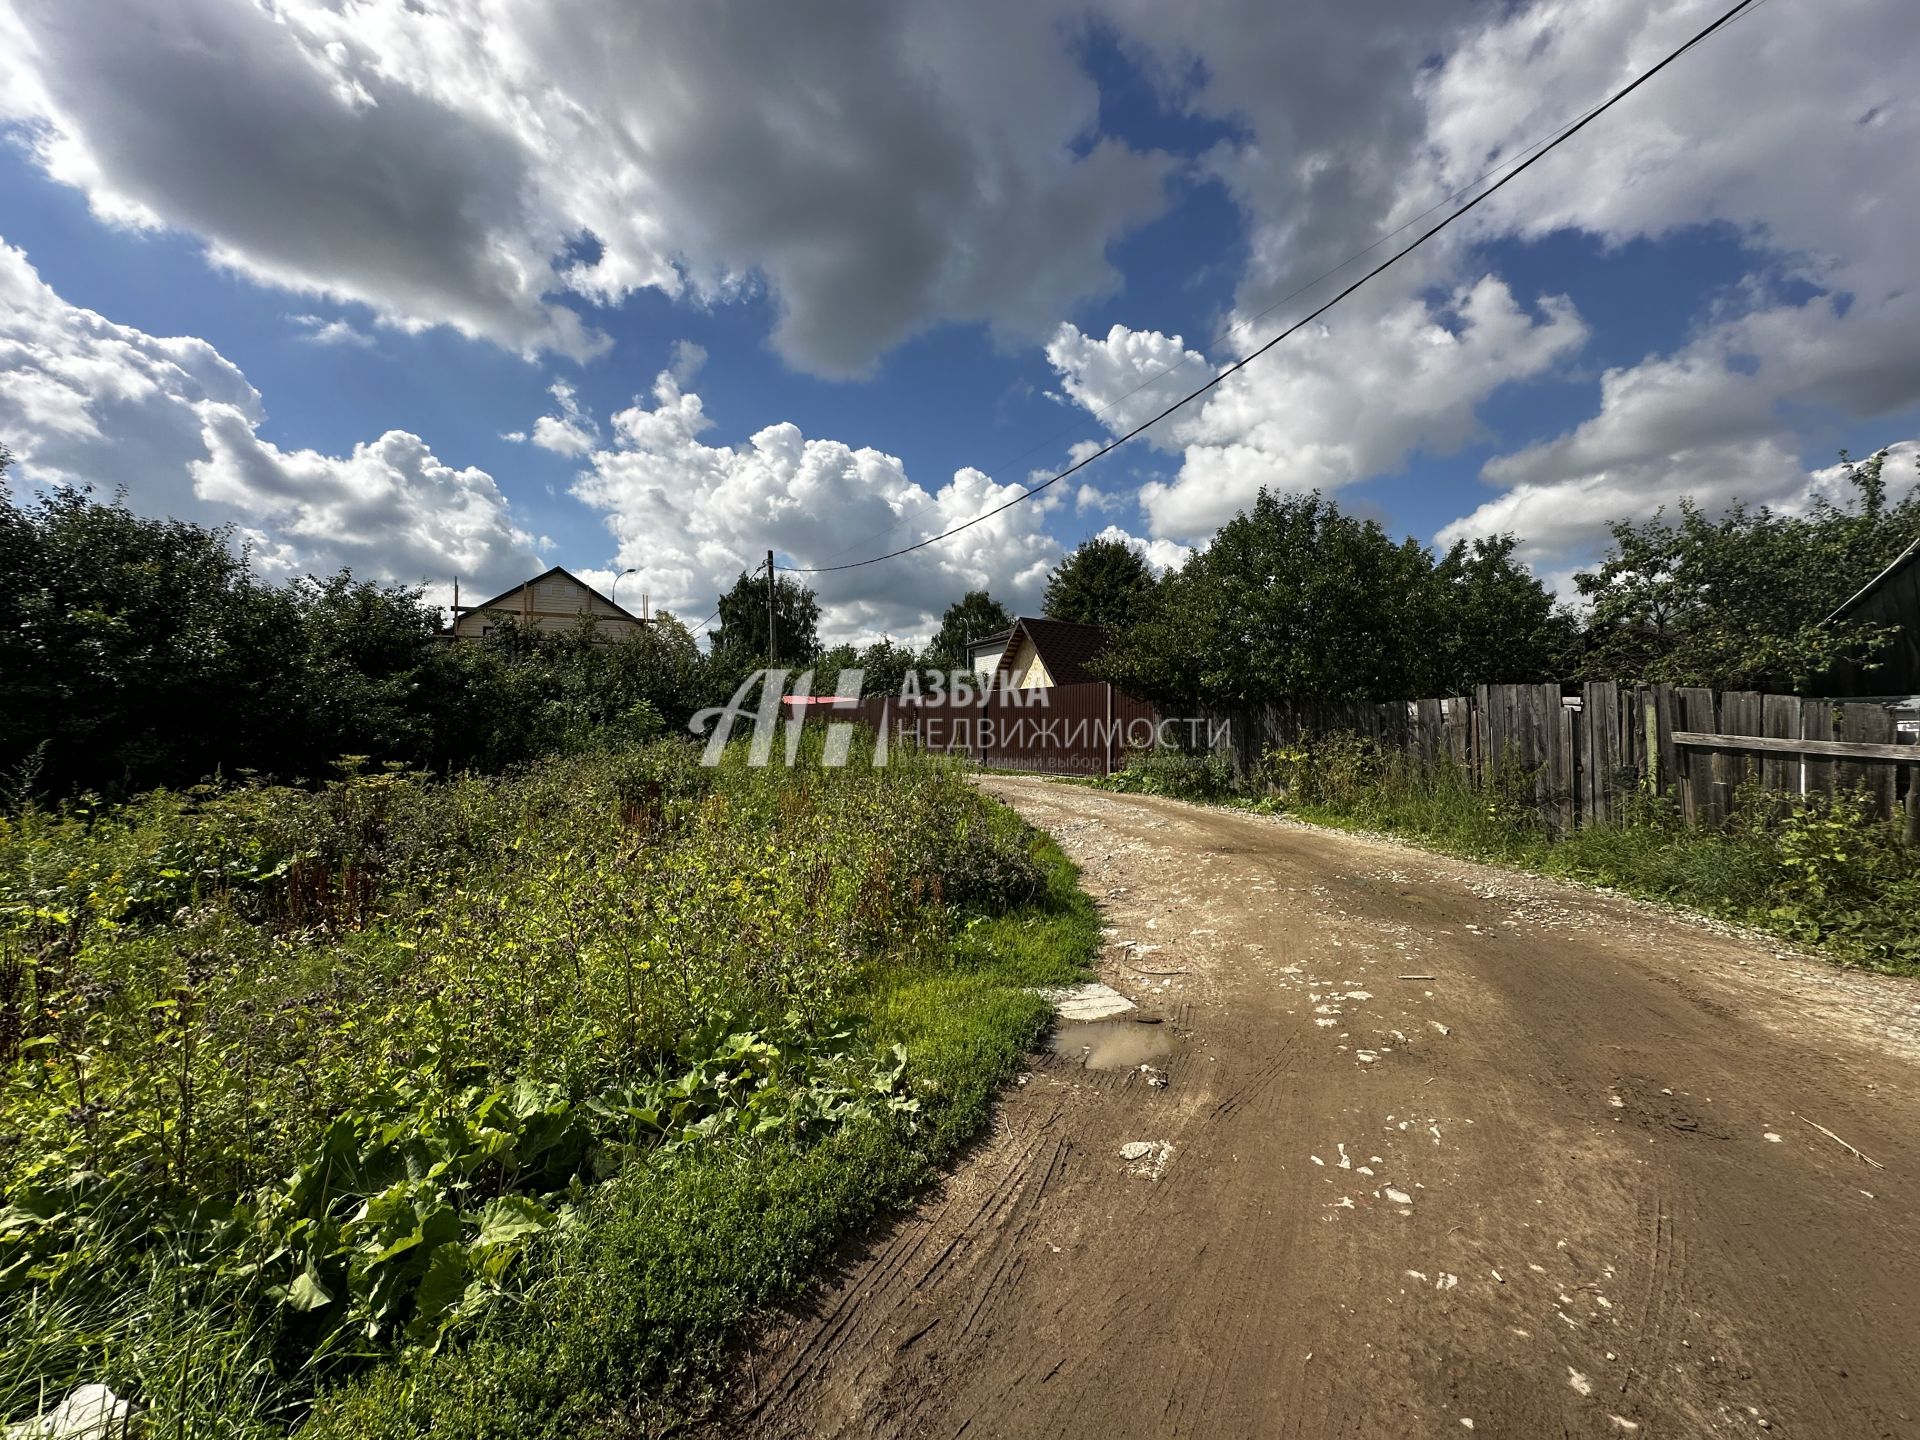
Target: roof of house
[(1908, 556), (1891, 598), (998, 637), (499, 601), (1063, 646)]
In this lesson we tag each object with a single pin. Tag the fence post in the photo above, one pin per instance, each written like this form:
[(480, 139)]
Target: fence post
[(1696, 766), (1781, 721), (1106, 744)]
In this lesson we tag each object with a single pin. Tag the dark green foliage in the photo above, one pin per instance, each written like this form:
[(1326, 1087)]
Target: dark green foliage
[(1298, 598), (134, 648), (741, 636), (885, 667), (1171, 773), (974, 616), (1741, 601), (139, 652), (1490, 622), (672, 1264), (1104, 582)]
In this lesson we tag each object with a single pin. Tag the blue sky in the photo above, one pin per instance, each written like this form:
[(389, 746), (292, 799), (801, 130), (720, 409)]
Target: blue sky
[(324, 286)]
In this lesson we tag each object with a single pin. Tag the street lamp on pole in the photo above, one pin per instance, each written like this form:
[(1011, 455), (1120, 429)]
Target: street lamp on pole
[(615, 596)]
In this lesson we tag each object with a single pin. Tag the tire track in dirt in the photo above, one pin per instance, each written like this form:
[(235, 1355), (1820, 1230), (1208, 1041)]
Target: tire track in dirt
[(1563, 1188)]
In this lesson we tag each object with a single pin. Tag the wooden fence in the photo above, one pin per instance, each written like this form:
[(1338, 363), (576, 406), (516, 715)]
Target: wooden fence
[(1059, 730), (1584, 750)]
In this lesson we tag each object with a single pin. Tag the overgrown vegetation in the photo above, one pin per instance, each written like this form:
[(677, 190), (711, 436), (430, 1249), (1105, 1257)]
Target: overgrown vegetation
[(142, 652), (1742, 600), (1820, 872), (1172, 773), (485, 1107), (1296, 599)]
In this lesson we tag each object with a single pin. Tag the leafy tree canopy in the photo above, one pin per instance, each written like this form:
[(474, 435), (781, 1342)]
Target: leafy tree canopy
[(742, 631), (1104, 582), (1298, 598), (973, 616), (139, 652), (1741, 601)]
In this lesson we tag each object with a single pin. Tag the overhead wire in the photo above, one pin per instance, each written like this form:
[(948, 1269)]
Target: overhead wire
[(1726, 18), (1243, 323)]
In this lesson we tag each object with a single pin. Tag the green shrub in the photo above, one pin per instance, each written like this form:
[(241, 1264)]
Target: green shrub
[(1173, 773)]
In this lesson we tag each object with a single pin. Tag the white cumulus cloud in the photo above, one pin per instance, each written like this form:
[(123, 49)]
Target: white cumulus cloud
[(86, 401), (494, 165), (1329, 407), (691, 516)]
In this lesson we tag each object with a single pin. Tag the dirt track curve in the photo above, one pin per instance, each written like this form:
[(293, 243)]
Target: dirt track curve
[(1566, 1187)]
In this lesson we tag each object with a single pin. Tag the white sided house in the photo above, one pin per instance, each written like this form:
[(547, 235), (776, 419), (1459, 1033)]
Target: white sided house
[(556, 601), (983, 655)]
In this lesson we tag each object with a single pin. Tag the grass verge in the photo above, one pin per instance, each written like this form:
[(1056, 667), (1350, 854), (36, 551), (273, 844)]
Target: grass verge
[(1832, 881), (649, 1295), (493, 1105)]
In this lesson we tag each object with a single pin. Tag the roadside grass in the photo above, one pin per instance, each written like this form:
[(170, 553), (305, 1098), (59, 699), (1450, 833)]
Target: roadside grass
[(1830, 879), (648, 1300), (1825, 875), (574, 1073)]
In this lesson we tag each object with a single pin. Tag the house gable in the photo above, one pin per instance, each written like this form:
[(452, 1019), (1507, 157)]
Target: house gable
[(1892, 599), (1042, 653), (556, 601)]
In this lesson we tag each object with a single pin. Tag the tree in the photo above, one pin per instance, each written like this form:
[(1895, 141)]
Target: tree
[(133, 648), (1104, 582), (140, 652), (1741, 601), (973, 616), (1295, 598), (742, 632), (1491, 622), (827, 668), (884, 666)]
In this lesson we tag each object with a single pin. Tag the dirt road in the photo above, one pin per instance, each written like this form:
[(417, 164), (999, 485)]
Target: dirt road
[(1568, 1186)]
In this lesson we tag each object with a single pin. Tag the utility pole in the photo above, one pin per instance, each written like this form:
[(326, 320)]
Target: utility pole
[(773, 650)]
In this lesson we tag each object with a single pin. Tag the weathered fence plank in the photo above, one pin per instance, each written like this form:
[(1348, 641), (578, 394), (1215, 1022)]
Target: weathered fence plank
[(1578, 761), (1741, 713), (1696, 712), (1872, 725), (1766, 745), (1816, 724), (1857, 724), (1600, 706), (1780, 720), (1664, 719)]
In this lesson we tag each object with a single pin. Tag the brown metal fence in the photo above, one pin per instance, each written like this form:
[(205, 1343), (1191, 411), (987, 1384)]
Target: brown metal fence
[(1585, 749), (1057, 730)]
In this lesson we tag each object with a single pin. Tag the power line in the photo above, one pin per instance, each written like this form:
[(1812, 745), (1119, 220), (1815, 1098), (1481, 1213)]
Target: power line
[(1243, 323), (1726, 18)]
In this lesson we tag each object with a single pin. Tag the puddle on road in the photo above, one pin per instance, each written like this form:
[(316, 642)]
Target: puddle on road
[(1112, 1044)]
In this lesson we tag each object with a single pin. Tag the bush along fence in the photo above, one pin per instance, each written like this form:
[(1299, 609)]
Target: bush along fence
[(1586, 752)]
